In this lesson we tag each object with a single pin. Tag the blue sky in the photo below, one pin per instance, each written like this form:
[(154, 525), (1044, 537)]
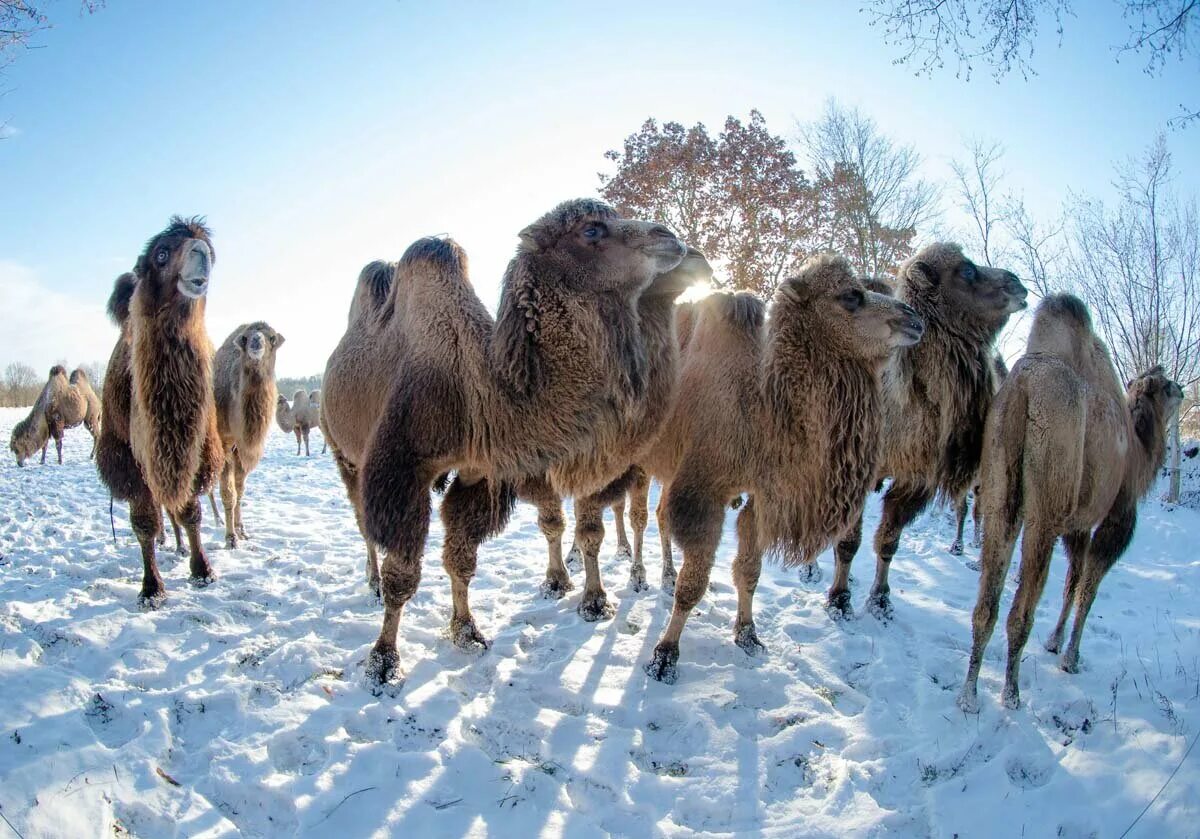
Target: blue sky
[(316, 137)]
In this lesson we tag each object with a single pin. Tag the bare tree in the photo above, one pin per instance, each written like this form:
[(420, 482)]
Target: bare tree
[(977, 185), (846, 147), (21, 385), (1138, 265), (1038, 248), (1003, 33)]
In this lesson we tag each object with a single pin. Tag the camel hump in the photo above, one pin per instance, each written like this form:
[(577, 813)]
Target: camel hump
[(740, 311), (118, 301), (373, 287)]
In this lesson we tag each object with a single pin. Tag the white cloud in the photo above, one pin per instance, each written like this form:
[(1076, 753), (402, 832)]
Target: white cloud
[(41, 326)]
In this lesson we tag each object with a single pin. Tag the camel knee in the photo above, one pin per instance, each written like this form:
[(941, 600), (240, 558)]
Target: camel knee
[(399, 581)]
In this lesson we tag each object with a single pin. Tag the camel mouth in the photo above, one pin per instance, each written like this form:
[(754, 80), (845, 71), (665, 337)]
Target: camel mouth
[(193, 289), (908, 333)]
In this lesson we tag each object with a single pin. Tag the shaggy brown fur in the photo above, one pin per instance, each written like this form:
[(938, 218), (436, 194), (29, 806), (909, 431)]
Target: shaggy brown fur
[(497, 403), (159, 444), (1068, 454), (618, 449), (63, 403), (245, 394), (937, 397), (956, 547), (786, 411)]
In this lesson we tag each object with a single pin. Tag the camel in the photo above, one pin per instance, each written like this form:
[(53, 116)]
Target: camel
[(159, 445), (938, 393), (312, 419), (785, 410), (960, 507), (1067, 453), (244, 392), (615, 455), (63, 403), (496, 402)]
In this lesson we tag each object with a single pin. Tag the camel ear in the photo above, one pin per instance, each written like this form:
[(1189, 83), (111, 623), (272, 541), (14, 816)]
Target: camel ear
[(922, 273), (518, 328), (277, 340)]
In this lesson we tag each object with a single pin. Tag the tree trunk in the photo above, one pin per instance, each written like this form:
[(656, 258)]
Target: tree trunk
[(1176, 454)]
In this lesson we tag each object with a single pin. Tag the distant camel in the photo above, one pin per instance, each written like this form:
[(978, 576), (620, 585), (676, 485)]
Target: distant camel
[(63, 403)]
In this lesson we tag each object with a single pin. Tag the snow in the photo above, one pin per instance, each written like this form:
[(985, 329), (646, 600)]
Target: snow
[(241, 709)]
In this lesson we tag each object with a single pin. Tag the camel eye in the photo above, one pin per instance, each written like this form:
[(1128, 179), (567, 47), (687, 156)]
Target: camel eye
[(594, 232), (968, 272), (852, 300), (161, 256)]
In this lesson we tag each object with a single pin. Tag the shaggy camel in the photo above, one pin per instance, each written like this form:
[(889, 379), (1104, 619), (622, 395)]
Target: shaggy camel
[(159, 445), (63, 403), (786, 411), (938, 393), (497, 402), (615, 454), (244, 392), (960, 507), (1067, 453)]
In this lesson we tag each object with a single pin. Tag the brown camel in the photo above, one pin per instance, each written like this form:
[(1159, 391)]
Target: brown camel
[(1066, 453), (787, 412), (159, 445), (244, 391), (500, 402), (960, 507), (63, 403), (615, 454), (938, 395)]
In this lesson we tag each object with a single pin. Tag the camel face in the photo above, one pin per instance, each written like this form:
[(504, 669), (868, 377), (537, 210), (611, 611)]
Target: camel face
[(602, 251), (989, 294), (258, 343), (178, 259), (1154, 389), (693, 270)]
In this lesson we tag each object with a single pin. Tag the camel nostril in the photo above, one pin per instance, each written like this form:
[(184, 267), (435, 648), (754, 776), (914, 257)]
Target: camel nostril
[(660, 230)]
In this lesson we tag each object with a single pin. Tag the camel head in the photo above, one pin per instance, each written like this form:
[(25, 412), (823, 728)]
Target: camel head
[(258, 342), (835, 304), (941, 275), (691, 271), (588, 245), (1153, 397), (176, 264), (58, 370)]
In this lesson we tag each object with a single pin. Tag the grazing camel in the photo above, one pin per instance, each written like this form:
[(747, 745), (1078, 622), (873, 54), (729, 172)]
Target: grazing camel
[(1068, 454), (244, 391), (63, 403), (960, 507), (785, 410), (499, 402), (159, 445), (938, 393), (616, 452)]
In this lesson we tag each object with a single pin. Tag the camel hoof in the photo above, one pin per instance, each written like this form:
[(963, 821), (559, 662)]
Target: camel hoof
[(202, 580), (838, 606), (668, 583), (574, 559), (231, 541), (968, 701), (376, 588), (624, 553), (746, 638), (637, 580), (956, 548), (880, 606), (1052, 644), (553, 588), (811, 573), (183, 551), (1069, 664), (467, 637), (664, 666), (152, 599), (595, 607), (1011, 698), (383, 667), (241, 532), (161, 540)]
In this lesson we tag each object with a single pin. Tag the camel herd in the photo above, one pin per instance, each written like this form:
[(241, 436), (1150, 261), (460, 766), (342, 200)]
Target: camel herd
[(592, 379)]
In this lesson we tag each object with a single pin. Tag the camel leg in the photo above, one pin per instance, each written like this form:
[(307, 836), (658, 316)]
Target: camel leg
[(977, 520), (45, 446), (624, 551), (1037, 543), (1109, 541), (902, 504), (747, 566), (239, 475), (189, 516), (589, 535), (307, 453), (960, 509), (552, 524), (229, 502), (469, 516), (1077, 546), (349, 476), (639, 497), (162, 527), (179, 547), (299, 437), (838, 602), (57, 433), (664, 536), (145, 519), (998, 543), (696, 516)]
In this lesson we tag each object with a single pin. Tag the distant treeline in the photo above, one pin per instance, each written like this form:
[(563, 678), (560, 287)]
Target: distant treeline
[(22, 383), (288, 386)]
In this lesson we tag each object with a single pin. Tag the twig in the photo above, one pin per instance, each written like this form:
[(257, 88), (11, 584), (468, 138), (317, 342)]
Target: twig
[(343, 801), (1164, 786), (10, 825)]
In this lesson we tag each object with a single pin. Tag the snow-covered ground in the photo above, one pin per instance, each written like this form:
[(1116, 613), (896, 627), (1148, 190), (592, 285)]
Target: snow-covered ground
[(240, 709)]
